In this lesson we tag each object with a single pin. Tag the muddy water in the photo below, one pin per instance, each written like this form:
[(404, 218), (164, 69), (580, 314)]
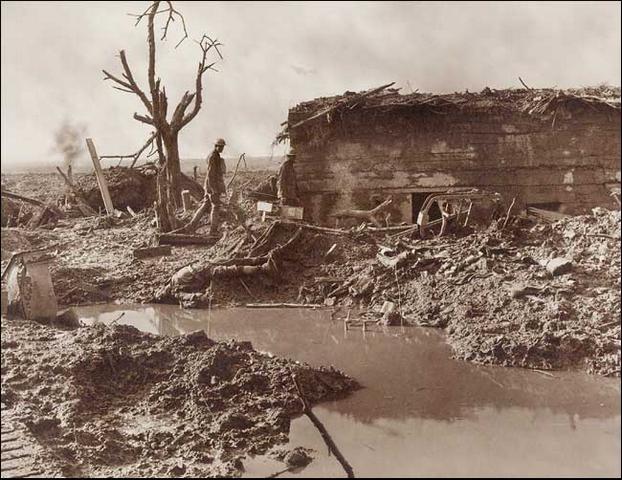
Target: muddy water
[(421, 413)]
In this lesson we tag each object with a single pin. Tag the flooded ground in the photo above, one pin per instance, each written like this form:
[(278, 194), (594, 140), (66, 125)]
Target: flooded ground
[(421, 413)]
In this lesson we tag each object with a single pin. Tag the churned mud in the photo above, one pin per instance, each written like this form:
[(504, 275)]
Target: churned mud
[(112, 401), (530, 294)]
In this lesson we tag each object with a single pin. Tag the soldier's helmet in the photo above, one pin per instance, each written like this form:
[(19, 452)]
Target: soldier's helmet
[(220, 141)]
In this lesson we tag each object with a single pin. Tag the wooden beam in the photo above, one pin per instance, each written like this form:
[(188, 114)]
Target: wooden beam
[(14, 196), (101, 179)]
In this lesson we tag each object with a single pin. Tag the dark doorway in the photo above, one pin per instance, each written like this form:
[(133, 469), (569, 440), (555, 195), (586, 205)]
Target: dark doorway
[(417, 202)]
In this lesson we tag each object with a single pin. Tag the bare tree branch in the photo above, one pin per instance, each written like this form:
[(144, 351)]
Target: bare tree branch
[(144, 119), (122, 89), (171, 12), (109, 76), (128, 74), (206, 44)]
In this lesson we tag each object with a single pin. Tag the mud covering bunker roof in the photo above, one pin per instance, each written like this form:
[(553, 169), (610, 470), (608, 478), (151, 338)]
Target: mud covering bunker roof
[(546, 103)]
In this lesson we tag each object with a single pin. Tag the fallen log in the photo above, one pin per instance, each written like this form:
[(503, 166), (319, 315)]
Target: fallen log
[(185, 239), (372, 215)]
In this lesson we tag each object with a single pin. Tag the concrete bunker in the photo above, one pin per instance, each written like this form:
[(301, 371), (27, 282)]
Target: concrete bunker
[(547, 148)]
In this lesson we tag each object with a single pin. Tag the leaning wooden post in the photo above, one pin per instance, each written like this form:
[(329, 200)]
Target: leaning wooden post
[(101, 180)]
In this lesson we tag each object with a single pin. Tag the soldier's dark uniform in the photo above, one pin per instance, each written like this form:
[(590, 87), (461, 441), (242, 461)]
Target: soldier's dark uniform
[(288, 189), (215, 187)]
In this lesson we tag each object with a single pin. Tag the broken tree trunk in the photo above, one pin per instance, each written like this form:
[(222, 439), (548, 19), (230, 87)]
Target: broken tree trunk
[(186, 283), (164, 210), (374, 215)]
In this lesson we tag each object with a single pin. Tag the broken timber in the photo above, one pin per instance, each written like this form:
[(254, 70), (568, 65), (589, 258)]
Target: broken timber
[(14, 196), (84, 208), (353, 101), (101, 179), (372, 215), (328, 440)]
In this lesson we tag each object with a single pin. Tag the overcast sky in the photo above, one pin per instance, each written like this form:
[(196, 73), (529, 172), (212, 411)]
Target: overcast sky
[(277, 55)]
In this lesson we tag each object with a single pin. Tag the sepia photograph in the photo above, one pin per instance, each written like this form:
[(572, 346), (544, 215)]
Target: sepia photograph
[(300, 239)]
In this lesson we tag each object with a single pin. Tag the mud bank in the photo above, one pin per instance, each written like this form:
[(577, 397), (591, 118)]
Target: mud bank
[(530, 294), (112, 401)]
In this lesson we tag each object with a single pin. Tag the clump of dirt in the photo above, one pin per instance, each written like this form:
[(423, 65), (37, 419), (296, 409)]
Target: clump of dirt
[(129, 187), (112, 401)]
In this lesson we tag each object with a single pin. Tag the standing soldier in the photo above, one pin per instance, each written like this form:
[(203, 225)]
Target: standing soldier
[(287, 187), (214, 187), (215, 184)]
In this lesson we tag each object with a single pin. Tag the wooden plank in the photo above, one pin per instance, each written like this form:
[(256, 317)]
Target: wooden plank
[(152, 251), (101, 179)]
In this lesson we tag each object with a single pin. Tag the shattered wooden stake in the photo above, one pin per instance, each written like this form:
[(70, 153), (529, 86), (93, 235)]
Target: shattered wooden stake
[(306, 409), (101, 179), (507, 217)]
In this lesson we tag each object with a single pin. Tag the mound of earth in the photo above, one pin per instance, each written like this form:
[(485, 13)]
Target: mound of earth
[(112, 401), (129, 187)]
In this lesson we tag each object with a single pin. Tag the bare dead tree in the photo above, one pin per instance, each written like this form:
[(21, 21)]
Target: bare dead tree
[(156, 106)]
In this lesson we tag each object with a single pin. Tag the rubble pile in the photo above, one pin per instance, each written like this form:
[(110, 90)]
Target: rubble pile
[(112, 401), (536, 296)]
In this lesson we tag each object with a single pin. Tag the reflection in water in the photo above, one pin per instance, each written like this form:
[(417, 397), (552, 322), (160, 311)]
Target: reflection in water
[(420, 413)]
